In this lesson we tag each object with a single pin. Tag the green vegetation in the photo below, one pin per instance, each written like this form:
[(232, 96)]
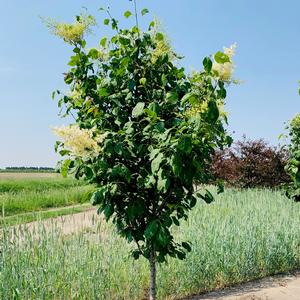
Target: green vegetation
[(41, 215), (293, 164), (15, 185), (243, 235), (145, 129), (27, 170), (22, 194)]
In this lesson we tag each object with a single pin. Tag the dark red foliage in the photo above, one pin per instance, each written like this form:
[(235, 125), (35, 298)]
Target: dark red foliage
[(251, 164)]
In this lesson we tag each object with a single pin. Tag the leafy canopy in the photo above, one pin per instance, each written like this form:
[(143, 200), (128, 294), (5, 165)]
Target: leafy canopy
[(156, 129), (293, 165)]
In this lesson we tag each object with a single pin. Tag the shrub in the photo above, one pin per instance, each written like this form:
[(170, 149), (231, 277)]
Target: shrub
[(251, 163), (293, 163)]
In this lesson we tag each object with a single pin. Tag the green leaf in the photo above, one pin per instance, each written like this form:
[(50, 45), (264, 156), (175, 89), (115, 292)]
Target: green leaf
[(149, 181), (127, 14), (103, 92), (106, 21), (181, 255), (151, 229), (144, 11), (138, 109), (220, 186), (163, 182), (154, 106), (207, 63), (186, 246), (108, 211), (159, 36), (193, 202), (207, 197), (120, 171), (172, 97), (64, 152), (153, 153), (65, 167), (93, 53), (68, 78), (155, 164), (151, 25), (175, 221), (185, 144), (124, 41), (99, 195), (114, 24), (136, 254), (143, 81), (103, 42), (163, 236), (88, 172), (213, 111), (221, 58), (190, 98), (176, 164)]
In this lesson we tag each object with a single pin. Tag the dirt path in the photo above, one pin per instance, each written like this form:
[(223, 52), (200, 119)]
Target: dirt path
[(66, 225), (279, 287)]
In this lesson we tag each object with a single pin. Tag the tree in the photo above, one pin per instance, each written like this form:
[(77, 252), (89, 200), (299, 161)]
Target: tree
[(251, 163), (293, 164), (144, 132)]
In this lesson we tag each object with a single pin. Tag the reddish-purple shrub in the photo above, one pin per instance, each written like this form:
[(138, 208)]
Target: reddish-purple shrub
[(251, 163)]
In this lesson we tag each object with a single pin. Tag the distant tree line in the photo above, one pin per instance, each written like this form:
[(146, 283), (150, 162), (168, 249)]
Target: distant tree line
[(28, 169), (251, 163)]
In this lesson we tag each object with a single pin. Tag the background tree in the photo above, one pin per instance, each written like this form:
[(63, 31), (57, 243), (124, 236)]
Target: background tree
[(251, 163), (293, 165), (145, 131)]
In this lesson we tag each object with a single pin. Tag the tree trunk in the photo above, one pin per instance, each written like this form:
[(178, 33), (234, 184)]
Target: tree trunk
[(152, 262)]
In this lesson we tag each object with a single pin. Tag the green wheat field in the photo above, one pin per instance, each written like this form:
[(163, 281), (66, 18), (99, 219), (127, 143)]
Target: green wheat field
[(242, 236)]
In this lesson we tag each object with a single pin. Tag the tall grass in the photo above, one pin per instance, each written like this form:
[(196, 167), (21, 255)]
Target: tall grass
[(15, 185), (24, 193), (242, 236), (30, 201)]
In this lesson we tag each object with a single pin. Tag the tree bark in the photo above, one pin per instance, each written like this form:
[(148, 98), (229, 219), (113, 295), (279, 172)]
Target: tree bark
[(152, 262)]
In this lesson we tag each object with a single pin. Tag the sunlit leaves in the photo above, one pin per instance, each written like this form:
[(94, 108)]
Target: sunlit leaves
[(138, 109), (127, 14), (152, 152), (144, 11), (221, 57)]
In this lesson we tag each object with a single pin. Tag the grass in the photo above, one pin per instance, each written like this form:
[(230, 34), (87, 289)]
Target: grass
[(42, 215), (31, 201), (15, 185), (27, 175), (29, 193), (243, 235)]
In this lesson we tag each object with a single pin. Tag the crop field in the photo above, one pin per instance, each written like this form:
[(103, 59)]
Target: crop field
[(242, 236), (23, 195)]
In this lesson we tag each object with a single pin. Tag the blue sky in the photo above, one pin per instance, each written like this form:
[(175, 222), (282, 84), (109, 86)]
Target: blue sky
[(32, 61)]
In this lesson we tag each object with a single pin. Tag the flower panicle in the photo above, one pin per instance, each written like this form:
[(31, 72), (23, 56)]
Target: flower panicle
[(81, 142), (74, 32), (225, 70)]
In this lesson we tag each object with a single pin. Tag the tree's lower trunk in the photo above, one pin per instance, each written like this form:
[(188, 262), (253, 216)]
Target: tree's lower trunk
[(152, 262)]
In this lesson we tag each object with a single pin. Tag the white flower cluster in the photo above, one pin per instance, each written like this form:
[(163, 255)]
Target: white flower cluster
[(226, 69), (81, 142)]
